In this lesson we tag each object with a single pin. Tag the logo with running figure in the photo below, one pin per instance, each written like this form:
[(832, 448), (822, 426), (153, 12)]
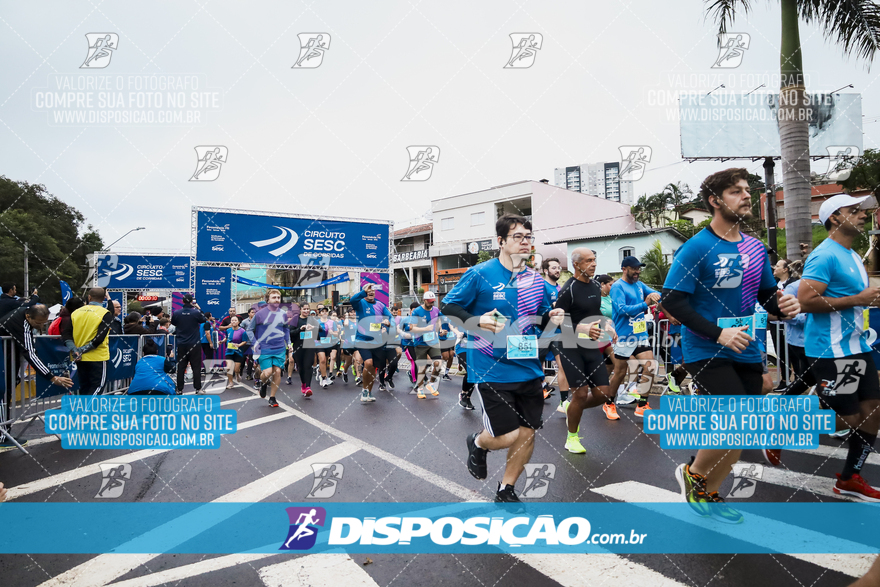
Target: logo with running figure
[(422, 159), (113, 478), (840, 161), (210, 160), (107, 267), (101, 48), (303, 530), (634, 160), (538, 477), (849, 375), (312, 47), (525, 49), (731, 48), (745, 480), (729, 270), (327, 478)]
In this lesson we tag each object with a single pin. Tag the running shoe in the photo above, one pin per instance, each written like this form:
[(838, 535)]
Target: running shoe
[(694, 388), (465, 402), (625, 397), (610, 411), (548, 391), (307, 392), (640, 410), (365, 395), (382, 386), (561, 407), (773, 456), (273, 403), (857, 487), (432, 389), (446, 377), (200, 392), (358, 380), (370, 397), (672, 387), (573, 444), (506, 494), (420, 393), (290, 381), (353, 370), (323, 382), (23, 442), (693, 490), (840, 433), (345, 377), (257, 385), (476, 461), (390, 383), (264, 387), (723, 512)]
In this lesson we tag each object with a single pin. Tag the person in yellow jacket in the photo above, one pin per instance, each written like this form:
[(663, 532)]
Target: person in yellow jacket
[(91, 325)]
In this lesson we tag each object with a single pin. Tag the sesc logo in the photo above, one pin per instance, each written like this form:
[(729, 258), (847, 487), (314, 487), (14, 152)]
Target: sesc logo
[(303, 530), (286, 233)]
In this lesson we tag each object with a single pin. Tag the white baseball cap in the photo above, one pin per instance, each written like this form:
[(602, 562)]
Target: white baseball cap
[(835, 203), (429, 295)]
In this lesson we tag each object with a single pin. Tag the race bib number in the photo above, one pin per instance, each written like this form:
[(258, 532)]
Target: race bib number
[(232, 346), (761, 321), (522, 347), (583, 335), (866, 319), (640, 327), (305, 334), (429, 336), (324, 340), (353, 337), (736, 322), (375, 326)]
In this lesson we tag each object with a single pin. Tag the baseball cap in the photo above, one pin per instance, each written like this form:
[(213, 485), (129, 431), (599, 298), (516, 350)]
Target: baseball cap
[(429, 295), (187, 298), (631, 262), (835, 203)]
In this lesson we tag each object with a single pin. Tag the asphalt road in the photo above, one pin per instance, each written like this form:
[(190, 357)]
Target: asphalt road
[(401, 449)]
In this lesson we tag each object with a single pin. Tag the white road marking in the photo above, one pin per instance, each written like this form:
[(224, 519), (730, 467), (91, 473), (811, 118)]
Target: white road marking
[(105, 568), (854, 565), (317, 570), (576, 570), (183, 572), (795, 480), (85, 471), (833, 452)]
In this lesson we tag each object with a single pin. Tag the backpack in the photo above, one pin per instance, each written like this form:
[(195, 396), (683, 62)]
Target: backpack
[(55, 327)]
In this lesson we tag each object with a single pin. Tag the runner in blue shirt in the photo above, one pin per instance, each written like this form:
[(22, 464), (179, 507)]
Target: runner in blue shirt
[(374, 322), (633, 355), (426, 344), (713, 284), (835, 291), (270, 335), (499, 303), (407, 342)]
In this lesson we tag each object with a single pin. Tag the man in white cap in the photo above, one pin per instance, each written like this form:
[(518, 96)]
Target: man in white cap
[(836, 294), (426, 344)]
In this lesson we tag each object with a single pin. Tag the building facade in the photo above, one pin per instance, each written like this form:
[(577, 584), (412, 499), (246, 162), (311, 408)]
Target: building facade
[(595, 179), (411, 264)]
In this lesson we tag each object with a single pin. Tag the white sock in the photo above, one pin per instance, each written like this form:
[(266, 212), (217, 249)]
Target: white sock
[(477, 441)]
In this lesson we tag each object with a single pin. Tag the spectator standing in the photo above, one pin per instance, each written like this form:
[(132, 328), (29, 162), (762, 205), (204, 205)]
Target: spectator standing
[(188, 321), (91, 327), (9, 301)]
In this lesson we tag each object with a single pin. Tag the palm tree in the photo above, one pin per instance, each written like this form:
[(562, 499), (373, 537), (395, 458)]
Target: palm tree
[(641, 211), (657, 206), (656, 266), (855, 26), (677, 195)]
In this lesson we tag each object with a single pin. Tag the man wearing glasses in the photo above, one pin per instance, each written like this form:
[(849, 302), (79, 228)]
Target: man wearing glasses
[(504, 305)]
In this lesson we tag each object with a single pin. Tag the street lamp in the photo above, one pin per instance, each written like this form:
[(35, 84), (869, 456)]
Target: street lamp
[(107, 248)]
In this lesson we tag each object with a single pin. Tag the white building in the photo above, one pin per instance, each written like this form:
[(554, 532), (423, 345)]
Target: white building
[(595, 179)]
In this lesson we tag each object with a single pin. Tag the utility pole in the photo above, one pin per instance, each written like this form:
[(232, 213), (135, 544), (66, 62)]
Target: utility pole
[(770, 212), (26, 291)]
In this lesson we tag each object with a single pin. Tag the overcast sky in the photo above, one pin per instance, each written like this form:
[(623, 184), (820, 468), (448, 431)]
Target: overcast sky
[(332, 140)]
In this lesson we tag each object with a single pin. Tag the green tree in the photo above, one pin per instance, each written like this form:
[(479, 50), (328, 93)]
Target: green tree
[(484, 256), (677, 195), (855, 26), (685, 227), (57, 239), (656, 266), (865, 172)]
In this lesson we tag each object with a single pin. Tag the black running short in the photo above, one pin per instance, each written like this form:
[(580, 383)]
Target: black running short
[(379, 355), (348, 351), (842, 384), (583, 367), (725, 377), (422, 352), (509, 406)]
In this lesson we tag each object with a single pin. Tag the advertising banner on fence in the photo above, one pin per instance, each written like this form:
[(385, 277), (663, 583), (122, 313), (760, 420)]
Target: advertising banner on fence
[(123, 357), (214, 289), (142, 272), (227, 237)]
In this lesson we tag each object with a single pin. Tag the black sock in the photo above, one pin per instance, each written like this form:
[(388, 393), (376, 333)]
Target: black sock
[(609, 401), (563, 395), (860, 446), (643, 401)]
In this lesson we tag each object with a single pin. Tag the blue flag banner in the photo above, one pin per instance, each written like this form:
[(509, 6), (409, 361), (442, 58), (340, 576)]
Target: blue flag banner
[(468, 528), (123, 357), (66, 292)]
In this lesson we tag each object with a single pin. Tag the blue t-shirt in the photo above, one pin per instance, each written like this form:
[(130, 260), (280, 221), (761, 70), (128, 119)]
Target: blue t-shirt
[(370, 317), (836, 334), (405, 324), (150, 375), (723, 279), (424, 318), (628, 307), (794, 328), (490, 286), (349, 331), (206, 330)]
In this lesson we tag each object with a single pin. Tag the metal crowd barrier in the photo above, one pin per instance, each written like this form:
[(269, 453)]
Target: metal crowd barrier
[(19, 399)]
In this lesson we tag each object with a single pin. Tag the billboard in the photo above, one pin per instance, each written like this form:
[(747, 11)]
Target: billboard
[(233, 237), (737, 125), (141, 271), (214, 289)]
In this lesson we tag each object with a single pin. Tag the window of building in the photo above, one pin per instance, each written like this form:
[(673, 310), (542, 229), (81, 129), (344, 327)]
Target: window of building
[(626, 252), (478, 218), (447, 224)]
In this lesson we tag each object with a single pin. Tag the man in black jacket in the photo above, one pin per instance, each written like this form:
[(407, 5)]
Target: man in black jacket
[(116, 323), (8, 301), (189, 350)]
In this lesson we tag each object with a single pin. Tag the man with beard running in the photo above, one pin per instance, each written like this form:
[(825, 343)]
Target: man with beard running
[(270, 334), (713, 284), (373, 323), (551, 269), (498, 302), (581, 299)]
